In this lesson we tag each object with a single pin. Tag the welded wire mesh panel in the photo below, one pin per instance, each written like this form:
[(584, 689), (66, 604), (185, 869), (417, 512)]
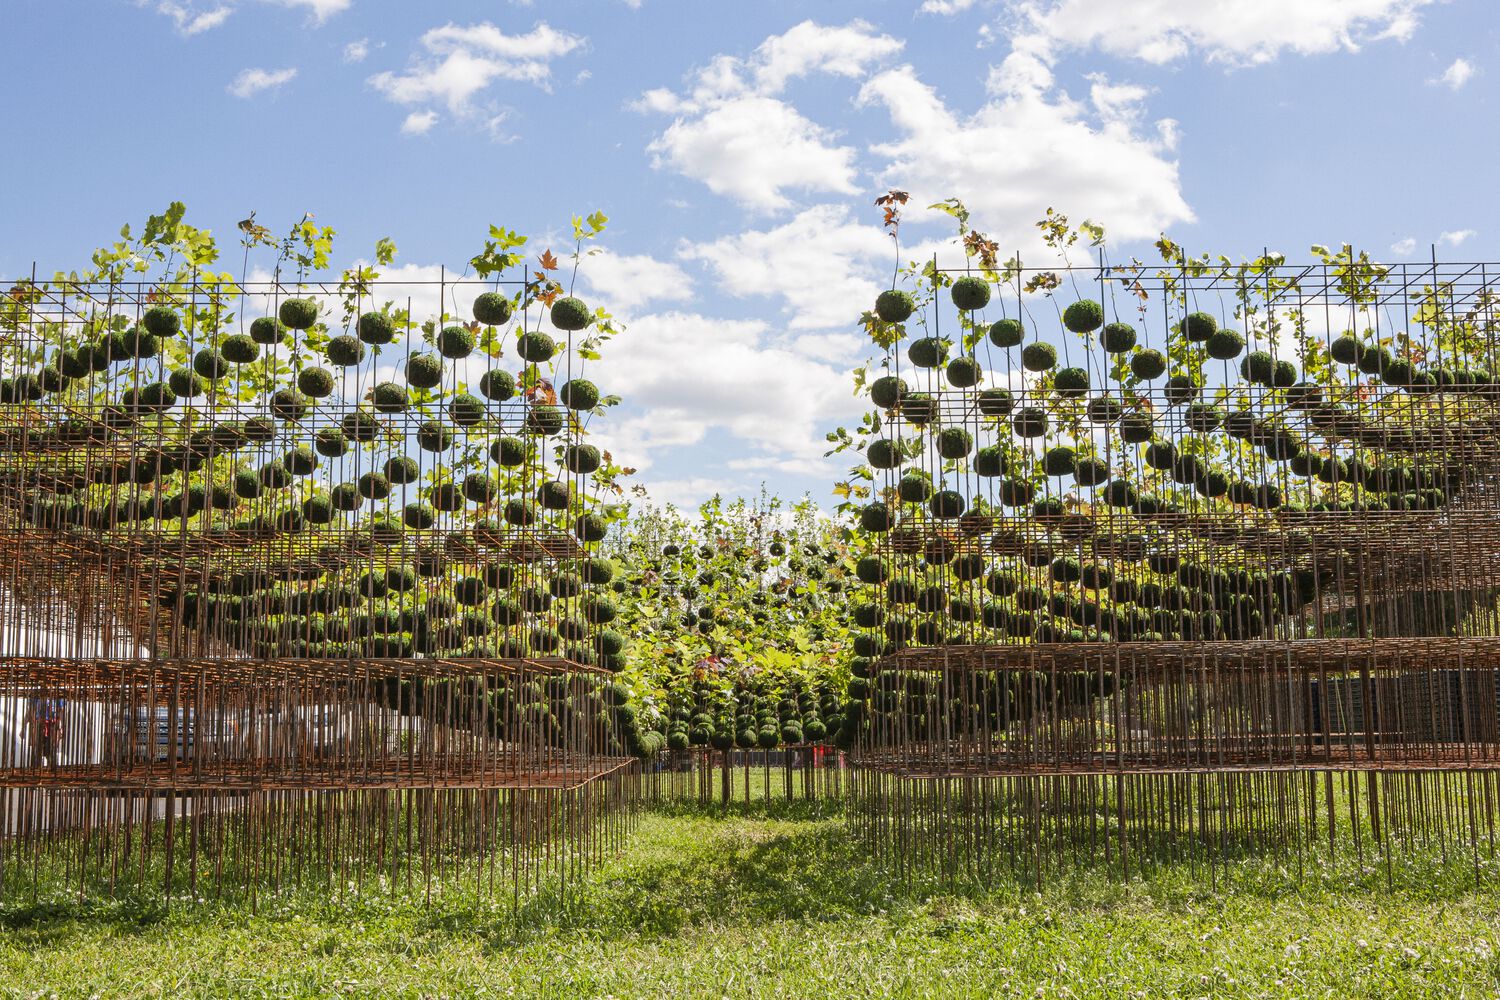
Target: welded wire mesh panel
[(292, 548), (1205, 518)]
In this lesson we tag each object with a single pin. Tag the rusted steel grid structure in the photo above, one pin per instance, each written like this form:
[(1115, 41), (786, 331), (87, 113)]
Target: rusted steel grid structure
[(1217, 564), (304, 599)]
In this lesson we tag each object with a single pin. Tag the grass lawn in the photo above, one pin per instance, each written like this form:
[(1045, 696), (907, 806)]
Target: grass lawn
[(774, 900)]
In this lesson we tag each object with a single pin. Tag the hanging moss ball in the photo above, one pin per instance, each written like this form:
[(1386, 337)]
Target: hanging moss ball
[(330, 442), (300, 461), (246, 484), (156, 396), (274, 476), (1375, 360), (446, 497), (160, 321), (1284, 375), (537, 348), (376, 328), (1202, 417), (508, 452), (954, 442), (1258, 367), (1007, 333), (345, 496), (492, 309), (318, 509), (374, 486), (1179, 389), (360, 426), (970, 292), (466, 410), (919, 408), (345, 351), (990, 462), (1225, 345), (553, 495), (1198, 327), (546, 420), (1118, 338), (1346, 350), (579, 394), (1148, 364), (583, 459), (1090, 471), (390, 397), (570, 314), (887, 390), (315, 382), (1058, 461), (1083, 316), (994, 402), (1104, 410), (479, 487), (520, 513), (1039, 357), (434, 435), (299, 314), (1161, 455), (424, 371), (1119, 493), (927, 352), (289, 404), (875, 518), (590, 528), (964, 372), (894, 306), (401, 470), (884, 454), (1071, 383), (914, 487), (267, 330), (455, 342), (1029, 421), (211, 364), (497, 384)]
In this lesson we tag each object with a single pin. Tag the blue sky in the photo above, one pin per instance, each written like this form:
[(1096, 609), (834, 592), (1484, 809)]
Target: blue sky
[(737, 148)]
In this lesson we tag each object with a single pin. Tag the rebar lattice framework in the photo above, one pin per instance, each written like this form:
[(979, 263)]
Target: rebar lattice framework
[(1215, 567), (306, 599)]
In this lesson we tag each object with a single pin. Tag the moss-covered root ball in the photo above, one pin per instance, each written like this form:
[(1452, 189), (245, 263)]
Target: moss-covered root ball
[(1071, 383), (1225, 345), (1083, 316), (1198, 326), (267, 330), (887, 390), (1118, 338), (536, 348), (579, 394), (1007, 333), (160, 321), (455, 342), (299, 314), (376, 328), (1148, 364), (570, 314), (345, 351), (894, 306), (970, 293), (492, 309), (497, 384), (424, 371), (1039, 357)]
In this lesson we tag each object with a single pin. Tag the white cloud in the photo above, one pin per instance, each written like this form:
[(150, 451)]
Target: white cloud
[(1234, 32), (753, 148), (418, 122), (1027, 147), (252, 81), (460, 62), (625, 282), (1457, 237), (945, 6), (1403, 246), (697, 374), (734, 133), (825, 267), (356, 51), (321, 10), (1456, 75), (190, 21)]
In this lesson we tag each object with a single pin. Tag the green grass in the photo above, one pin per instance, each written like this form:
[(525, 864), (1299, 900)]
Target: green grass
[(775, 900)]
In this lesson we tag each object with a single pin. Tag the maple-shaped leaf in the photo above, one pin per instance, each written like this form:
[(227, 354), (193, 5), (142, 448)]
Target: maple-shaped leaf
[(549, 262)]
